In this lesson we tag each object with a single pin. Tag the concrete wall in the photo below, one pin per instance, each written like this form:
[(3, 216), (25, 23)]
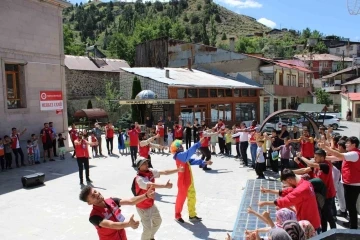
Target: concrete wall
[(31, 35)]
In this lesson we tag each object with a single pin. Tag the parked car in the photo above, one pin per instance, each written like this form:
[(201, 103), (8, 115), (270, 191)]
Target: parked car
[(277, 122), (328, 120)]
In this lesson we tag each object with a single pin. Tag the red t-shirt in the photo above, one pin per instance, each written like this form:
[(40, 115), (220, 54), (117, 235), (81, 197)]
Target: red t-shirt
[(307, 148), (73, 134), (109, 132), (160, 130), (82, 150), (304, 199), (325, 174), (134, 137), (178, 131)]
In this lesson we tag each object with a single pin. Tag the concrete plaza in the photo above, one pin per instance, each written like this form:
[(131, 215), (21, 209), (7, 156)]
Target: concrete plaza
[(53, 211)]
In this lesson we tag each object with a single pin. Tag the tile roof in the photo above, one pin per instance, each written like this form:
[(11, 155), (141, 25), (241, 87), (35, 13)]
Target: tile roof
[(295, 62), (352, 96), (187, 78), (322, 57), (86, 64), (281, 64)]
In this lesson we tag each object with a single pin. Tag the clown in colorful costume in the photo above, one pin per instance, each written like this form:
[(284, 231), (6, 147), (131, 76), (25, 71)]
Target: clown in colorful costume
[(185, 182)]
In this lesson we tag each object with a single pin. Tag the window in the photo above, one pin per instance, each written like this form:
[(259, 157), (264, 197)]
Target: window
[(221, 111), (276, 104), (221, 93), (192, 93), (15, 86), (228, 92), (337, 50), (293, 80), (283, 103), (252, 93), (244, 92), (236, 93), (351, 48), (181, 93), (288, 78), (213, 93), (245, 111), (203, 93)]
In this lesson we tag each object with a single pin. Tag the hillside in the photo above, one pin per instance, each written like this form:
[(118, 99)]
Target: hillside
[(118, 27)]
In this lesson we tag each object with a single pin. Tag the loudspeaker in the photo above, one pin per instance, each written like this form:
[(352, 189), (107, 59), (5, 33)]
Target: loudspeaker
[(33, 180)]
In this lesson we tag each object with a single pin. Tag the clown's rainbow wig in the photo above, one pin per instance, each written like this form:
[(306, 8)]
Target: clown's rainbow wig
[(175, 146)]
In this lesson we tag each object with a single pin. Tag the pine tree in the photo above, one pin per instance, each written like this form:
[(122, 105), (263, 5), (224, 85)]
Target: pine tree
[(89, 104), (224, 37), (213, 32), (136, 108), (204, 35)]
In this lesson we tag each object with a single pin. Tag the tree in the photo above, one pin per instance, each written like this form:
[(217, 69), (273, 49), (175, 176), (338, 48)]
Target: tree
[(89, 104), (320, 47), (213, 32), (158, 6), (223, 37), (323, 97), (109, 102), (204, 36), (136, 108), (70, 46), (177, 31)]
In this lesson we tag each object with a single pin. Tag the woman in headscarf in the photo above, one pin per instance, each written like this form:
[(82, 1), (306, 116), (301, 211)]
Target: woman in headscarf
[(308, 229), (294, 230), (282, 215), (278, 234)]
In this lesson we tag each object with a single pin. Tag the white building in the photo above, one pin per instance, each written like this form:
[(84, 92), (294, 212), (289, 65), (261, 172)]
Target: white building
[(31, 61), (349, 50)]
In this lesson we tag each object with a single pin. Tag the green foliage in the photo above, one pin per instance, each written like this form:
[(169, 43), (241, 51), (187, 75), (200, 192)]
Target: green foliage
[(323, 97), (320, 47), (223, 37), (89, 104), (136, 108), (213, 32), (198, 6), (109, 102), (71, 47)]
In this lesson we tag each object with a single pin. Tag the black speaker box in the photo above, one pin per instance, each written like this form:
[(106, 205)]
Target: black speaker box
[(33, 180)]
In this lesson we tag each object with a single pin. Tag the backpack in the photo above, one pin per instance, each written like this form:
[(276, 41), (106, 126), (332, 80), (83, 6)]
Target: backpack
[(133, 187)]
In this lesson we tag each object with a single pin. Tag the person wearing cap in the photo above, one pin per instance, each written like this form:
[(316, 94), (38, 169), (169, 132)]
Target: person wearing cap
[(185, 181), (148, 211)]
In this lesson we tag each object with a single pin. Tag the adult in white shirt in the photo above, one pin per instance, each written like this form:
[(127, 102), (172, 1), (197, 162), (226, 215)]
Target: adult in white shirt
[(350, 176), (243, 135)]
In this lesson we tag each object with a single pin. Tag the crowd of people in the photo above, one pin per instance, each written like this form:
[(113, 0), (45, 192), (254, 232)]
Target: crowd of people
[(328, 167)]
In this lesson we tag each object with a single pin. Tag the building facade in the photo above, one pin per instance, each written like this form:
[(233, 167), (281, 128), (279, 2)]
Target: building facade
[(348, 50), (196, 94), (86, 80), (31, 61)]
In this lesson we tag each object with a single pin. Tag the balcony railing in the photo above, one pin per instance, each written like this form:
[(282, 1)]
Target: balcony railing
[(279, 90), (331, 88)]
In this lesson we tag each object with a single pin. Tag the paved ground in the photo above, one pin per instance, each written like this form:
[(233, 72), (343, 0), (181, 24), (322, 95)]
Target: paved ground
[(53, 211)]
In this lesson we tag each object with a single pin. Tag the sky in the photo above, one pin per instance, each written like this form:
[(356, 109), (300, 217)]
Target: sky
[(330, 17)]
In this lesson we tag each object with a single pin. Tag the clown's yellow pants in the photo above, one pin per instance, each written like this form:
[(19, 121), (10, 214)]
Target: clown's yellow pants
[(191, 199)]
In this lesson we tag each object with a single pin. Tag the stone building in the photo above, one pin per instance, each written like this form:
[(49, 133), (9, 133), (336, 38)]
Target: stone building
[(31, 61), (85, 79)]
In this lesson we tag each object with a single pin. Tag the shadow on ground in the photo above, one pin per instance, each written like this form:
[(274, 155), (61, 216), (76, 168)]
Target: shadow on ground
[(10, 180), (200, 231)]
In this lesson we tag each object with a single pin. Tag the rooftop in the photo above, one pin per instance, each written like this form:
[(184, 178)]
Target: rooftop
[(322, 57), (60, 3), (352, 96), (86, 64), (187, 78), (294, 62), (346, 70), (355, 81)]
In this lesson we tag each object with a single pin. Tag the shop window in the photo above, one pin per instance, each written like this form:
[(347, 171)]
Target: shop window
[(244, 92), (276, 105), (221, 111), (228, 93), (203, 93), (252, 93), (15, 86), (221, 93), (236, 92), (213, 93), (245, 111), (181, 93), (192, 93)]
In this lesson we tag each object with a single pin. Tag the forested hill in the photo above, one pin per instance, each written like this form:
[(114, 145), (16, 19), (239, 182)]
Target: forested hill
[(117, 27)]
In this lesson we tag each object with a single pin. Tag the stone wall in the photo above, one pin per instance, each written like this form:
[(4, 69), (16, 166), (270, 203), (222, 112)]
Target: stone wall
[(31, 35)]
